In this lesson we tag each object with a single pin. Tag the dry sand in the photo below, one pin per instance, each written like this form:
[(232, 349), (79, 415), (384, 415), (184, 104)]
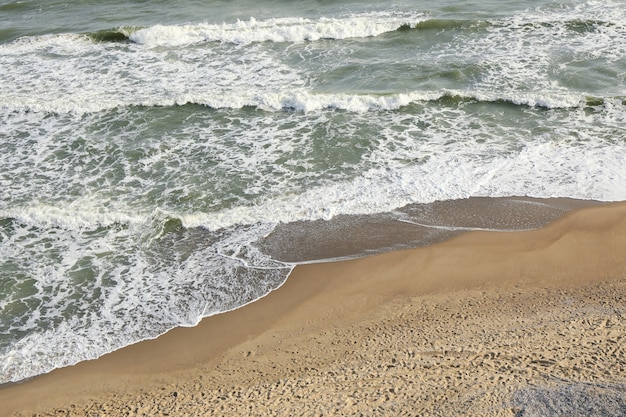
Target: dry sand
[(502, 324)]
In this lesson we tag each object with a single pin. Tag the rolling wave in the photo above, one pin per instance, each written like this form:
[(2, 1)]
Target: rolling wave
[(307, 101), (276, 30), (296, 30)]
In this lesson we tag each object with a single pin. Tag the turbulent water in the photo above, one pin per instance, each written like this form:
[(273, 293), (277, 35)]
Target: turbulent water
[(148, 147)]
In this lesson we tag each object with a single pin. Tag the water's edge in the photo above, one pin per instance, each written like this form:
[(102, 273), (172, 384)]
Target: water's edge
[(412, 226), (417, 225)]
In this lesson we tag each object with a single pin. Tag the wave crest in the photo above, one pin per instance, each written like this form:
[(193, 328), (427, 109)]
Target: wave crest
[(277, 30), (307, 101)]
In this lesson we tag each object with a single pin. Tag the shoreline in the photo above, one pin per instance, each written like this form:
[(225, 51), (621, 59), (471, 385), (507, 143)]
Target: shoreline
[(570, 256)]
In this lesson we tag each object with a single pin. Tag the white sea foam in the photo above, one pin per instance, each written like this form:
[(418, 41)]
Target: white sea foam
[(76, 215), (545, 47), (456, 156), (98, 291)]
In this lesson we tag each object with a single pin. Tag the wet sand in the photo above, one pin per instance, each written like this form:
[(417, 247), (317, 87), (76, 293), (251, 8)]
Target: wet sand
[(487, 323)]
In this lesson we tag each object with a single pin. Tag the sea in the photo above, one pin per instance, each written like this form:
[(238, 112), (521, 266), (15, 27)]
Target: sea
[(166, 161)]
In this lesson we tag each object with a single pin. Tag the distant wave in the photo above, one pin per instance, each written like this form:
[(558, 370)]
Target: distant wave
[(300, 29), (276, 30), (295, 29)]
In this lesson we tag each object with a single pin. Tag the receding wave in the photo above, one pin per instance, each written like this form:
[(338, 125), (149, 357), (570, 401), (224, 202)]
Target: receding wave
[(199, 273)]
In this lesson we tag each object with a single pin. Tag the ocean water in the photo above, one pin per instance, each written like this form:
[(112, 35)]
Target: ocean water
[(166, 161)]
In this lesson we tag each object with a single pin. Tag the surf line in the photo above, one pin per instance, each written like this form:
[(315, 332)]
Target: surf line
[(463, 229)]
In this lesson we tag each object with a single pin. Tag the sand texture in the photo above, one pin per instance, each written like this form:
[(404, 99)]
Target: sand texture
[(486, 324)]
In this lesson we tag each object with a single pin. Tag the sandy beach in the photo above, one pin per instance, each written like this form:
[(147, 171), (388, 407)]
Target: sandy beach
[(485, 324)]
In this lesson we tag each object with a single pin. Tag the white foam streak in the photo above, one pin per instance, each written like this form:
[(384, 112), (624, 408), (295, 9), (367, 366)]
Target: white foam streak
[(73, 216), (59, 45)]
